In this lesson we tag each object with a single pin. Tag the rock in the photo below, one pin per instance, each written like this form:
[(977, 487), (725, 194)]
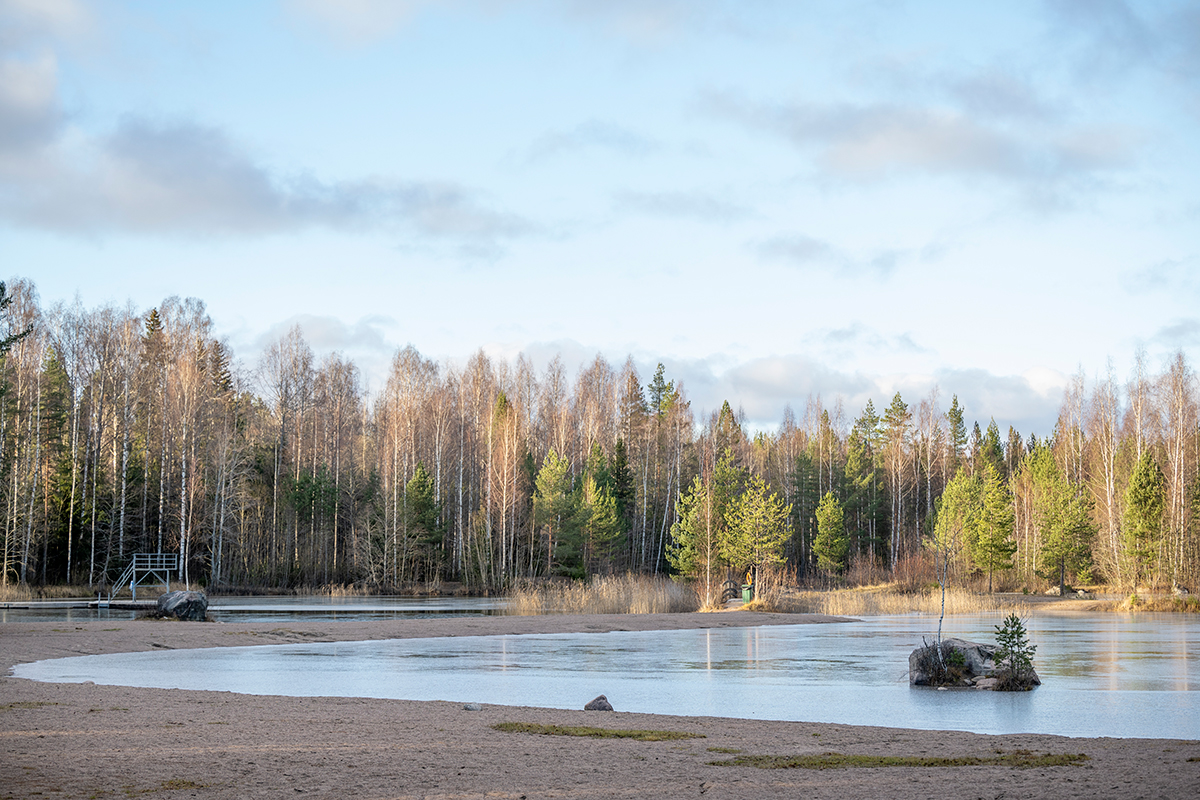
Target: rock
[(472, 707), (184, 605), (599, 704), (977, 659), (1178, 591), (1054, 591), (976, 665)]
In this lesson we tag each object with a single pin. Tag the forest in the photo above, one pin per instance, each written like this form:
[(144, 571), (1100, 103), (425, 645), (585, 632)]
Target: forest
[(126, 430)]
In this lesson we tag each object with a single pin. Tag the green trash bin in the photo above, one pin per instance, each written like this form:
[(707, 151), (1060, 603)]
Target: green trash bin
[(747, 592)]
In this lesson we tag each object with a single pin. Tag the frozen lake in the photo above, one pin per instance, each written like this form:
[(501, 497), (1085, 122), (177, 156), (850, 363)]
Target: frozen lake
[(1104, 675), (272, 609)]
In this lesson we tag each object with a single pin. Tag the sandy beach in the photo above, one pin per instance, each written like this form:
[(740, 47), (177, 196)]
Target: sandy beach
[(88, 741)]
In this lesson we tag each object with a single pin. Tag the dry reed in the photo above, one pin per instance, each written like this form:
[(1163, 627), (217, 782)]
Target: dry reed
[(1137, 602), (613, 594), (20, 592), (878, 600)]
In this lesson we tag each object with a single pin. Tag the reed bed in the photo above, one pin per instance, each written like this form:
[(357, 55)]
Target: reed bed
[(20, 592), (612, 594), (879, 600), (1183, 605)]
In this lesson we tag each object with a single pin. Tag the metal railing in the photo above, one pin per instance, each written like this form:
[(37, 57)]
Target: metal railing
[(157, 566)]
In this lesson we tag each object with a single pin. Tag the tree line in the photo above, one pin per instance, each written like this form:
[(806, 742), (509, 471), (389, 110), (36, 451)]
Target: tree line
[(126, 430)]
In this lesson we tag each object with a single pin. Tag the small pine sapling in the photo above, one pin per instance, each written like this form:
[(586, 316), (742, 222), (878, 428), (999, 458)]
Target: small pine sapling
[(1014, 656)]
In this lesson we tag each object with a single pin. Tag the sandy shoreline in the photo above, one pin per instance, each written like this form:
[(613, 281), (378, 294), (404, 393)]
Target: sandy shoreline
[(81, 740)]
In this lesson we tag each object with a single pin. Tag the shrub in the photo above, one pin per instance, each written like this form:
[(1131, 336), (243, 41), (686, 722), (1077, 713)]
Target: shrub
[(1014, 656)]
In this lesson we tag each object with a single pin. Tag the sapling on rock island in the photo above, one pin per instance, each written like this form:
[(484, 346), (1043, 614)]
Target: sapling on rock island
[(1014, 657)]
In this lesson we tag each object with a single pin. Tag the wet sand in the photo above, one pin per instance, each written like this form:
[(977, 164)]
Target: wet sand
[(83, 740)]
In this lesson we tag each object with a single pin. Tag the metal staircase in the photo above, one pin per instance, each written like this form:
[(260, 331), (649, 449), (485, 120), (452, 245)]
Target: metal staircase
[(144, 567)]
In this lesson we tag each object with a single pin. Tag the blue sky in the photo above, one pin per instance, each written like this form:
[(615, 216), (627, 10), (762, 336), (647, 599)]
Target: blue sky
[(772, 198)]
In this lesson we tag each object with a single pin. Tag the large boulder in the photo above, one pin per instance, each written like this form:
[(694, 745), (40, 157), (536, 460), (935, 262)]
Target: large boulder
[(968, 664), (599, 704), (184, 605)]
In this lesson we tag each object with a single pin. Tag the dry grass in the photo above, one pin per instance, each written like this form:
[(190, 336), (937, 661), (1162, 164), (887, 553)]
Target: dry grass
[(615, 594), (18, 592), (1136, 602), (877, 600)]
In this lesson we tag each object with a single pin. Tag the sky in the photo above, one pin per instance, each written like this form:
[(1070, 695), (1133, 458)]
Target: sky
[(773, 199)]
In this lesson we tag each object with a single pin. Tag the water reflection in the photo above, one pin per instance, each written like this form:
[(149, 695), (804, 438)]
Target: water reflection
[(1104, 675)]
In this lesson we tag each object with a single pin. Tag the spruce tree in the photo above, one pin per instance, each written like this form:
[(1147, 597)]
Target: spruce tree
[(831, 545), (1145, 499)]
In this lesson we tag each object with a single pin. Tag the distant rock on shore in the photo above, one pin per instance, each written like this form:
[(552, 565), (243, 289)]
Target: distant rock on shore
[(599, 704)]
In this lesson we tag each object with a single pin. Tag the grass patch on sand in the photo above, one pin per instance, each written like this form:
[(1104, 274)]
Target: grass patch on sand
[(594, 733), (27, 704), (603, 594), (1017, 759)]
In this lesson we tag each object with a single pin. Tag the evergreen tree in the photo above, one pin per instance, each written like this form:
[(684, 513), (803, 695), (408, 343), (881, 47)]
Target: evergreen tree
[(957, 440), (993, 545), (831, 545), (597, 524), (728, 434), (696, 539), (661, 392), (423, 527), (975, 448), (623, 488), (758, 527), (553, 505), (957, 520), (991, 451), (1144, 504)]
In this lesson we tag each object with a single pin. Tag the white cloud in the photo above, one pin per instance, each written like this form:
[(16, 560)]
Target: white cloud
[(25, 21), (29, 110), (182, 178), (328, 333), (872, 141)]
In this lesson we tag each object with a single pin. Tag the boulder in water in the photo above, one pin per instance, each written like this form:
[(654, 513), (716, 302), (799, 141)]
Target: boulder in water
[(191, 606)]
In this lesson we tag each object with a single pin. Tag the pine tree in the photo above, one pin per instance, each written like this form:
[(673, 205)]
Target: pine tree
[(758, 527), (694, 548)]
